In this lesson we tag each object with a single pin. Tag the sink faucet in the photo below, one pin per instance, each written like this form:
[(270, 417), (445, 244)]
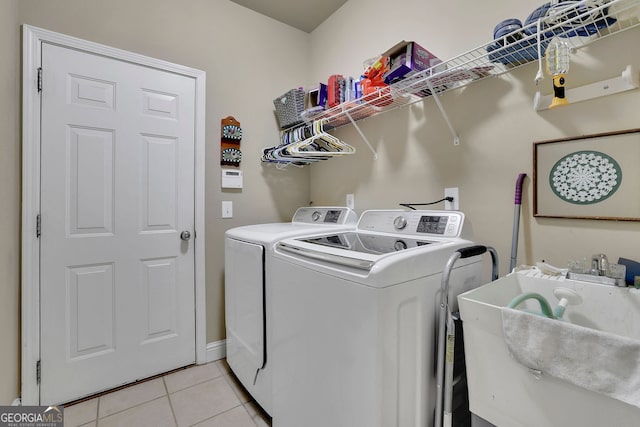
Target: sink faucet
[(599, 265)]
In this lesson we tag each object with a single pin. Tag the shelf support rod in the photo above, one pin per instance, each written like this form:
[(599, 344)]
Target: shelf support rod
[(456, 139), (355, 125)]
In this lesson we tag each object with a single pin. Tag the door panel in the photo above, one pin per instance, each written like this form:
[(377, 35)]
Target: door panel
[(91, 172), (91, 310), (159, 183), (86, 91), (117, 171), (159, 298), (160, 104)]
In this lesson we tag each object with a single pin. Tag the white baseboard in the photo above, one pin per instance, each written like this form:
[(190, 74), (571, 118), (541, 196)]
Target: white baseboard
[(216, 350)]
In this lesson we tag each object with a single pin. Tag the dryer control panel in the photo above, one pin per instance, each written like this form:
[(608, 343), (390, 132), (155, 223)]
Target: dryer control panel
[(414, 223), (337, 215)]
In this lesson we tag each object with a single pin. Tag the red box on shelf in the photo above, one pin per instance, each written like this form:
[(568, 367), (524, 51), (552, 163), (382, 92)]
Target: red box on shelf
[(335, 92)]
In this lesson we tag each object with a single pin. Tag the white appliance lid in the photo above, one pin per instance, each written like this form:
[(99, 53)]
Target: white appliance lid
[(365, 242), (361, 255), (307, 220), (381, 234)]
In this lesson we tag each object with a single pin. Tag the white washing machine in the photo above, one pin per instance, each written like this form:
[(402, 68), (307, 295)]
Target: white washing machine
[(248, 252), (354, 319)]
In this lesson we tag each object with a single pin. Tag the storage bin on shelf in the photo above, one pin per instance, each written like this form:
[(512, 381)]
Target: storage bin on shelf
[(289, 108), (408, 58)]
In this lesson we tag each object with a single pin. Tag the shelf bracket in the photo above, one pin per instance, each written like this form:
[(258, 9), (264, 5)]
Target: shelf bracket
[(456, 139), (355, 125), (628, 80)]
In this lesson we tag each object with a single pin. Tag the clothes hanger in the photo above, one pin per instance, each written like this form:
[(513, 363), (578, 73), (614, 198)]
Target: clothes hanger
[(305, 144), (321, 144)]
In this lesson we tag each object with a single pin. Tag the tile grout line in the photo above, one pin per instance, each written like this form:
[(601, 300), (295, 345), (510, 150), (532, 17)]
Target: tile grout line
[(175, 419), (229, 378), (200, 381), (130, 408), (217, 415), (253, 418)]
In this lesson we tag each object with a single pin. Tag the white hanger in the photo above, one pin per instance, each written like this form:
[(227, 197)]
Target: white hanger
[(306, 144)]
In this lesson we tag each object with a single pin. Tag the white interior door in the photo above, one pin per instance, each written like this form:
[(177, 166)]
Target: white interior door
[(117, 190)]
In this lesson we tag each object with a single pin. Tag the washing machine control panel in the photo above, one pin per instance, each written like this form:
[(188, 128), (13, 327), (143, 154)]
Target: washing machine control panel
[(413, 223)]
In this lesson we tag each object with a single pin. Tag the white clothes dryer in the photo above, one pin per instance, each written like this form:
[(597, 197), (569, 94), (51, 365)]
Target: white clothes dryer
[(355, 319), (248, 252)]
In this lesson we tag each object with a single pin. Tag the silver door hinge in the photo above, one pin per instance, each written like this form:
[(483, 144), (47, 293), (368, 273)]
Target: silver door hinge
[(38, 226), (40, 79), (38, 372)]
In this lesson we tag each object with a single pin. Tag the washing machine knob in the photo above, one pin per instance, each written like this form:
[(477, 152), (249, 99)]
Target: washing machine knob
[(400, 222), (315, 216), (400, 245)]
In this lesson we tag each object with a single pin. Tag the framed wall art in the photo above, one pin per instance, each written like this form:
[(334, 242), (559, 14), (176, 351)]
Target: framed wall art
[(590, 177)]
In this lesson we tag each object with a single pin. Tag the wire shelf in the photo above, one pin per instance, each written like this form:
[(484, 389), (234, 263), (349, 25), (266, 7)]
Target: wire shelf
[(579, 23)]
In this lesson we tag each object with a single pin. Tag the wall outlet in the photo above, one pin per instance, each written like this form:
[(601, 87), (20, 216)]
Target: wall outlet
[(351, 201), (452, 192), (227, 209)]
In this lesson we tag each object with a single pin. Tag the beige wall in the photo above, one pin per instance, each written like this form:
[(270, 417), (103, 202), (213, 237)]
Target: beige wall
[(494, 119), (10, 196), (248, 61)]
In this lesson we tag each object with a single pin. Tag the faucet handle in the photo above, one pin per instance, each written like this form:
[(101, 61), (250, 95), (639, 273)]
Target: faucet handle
[(603, 265), (595, 270), (599, 265)]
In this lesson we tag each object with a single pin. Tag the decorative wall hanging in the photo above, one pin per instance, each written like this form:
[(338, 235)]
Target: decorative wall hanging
[(590, 177), (231, 135)]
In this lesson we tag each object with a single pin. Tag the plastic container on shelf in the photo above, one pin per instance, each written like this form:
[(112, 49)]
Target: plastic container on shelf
[(289, 107)]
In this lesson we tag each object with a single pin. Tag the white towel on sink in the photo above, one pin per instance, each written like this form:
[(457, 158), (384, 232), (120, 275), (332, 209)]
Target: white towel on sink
[(598, 361)]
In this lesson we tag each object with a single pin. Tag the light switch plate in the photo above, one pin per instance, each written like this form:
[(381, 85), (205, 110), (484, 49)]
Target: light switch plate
[(227, 209)]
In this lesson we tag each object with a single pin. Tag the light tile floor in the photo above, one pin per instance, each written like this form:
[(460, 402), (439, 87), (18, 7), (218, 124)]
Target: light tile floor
[(204, 396)]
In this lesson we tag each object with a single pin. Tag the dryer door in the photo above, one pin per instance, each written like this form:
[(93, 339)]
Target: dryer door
[(245, 310)]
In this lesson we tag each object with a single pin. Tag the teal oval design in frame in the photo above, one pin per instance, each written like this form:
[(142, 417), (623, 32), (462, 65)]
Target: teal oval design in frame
[(585, 177)]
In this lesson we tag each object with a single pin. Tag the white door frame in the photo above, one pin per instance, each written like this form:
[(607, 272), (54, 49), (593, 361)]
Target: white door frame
[(32, 39)]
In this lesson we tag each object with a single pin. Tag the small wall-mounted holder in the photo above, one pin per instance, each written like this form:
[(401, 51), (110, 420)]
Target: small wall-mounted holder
[(230, 136), (628, 80)]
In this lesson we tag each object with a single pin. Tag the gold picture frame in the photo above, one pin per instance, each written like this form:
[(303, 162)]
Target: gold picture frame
[(588, 177)]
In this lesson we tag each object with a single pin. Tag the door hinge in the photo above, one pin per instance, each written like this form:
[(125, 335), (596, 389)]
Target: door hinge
[(38, 226), (38, 372), (40, 79)]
